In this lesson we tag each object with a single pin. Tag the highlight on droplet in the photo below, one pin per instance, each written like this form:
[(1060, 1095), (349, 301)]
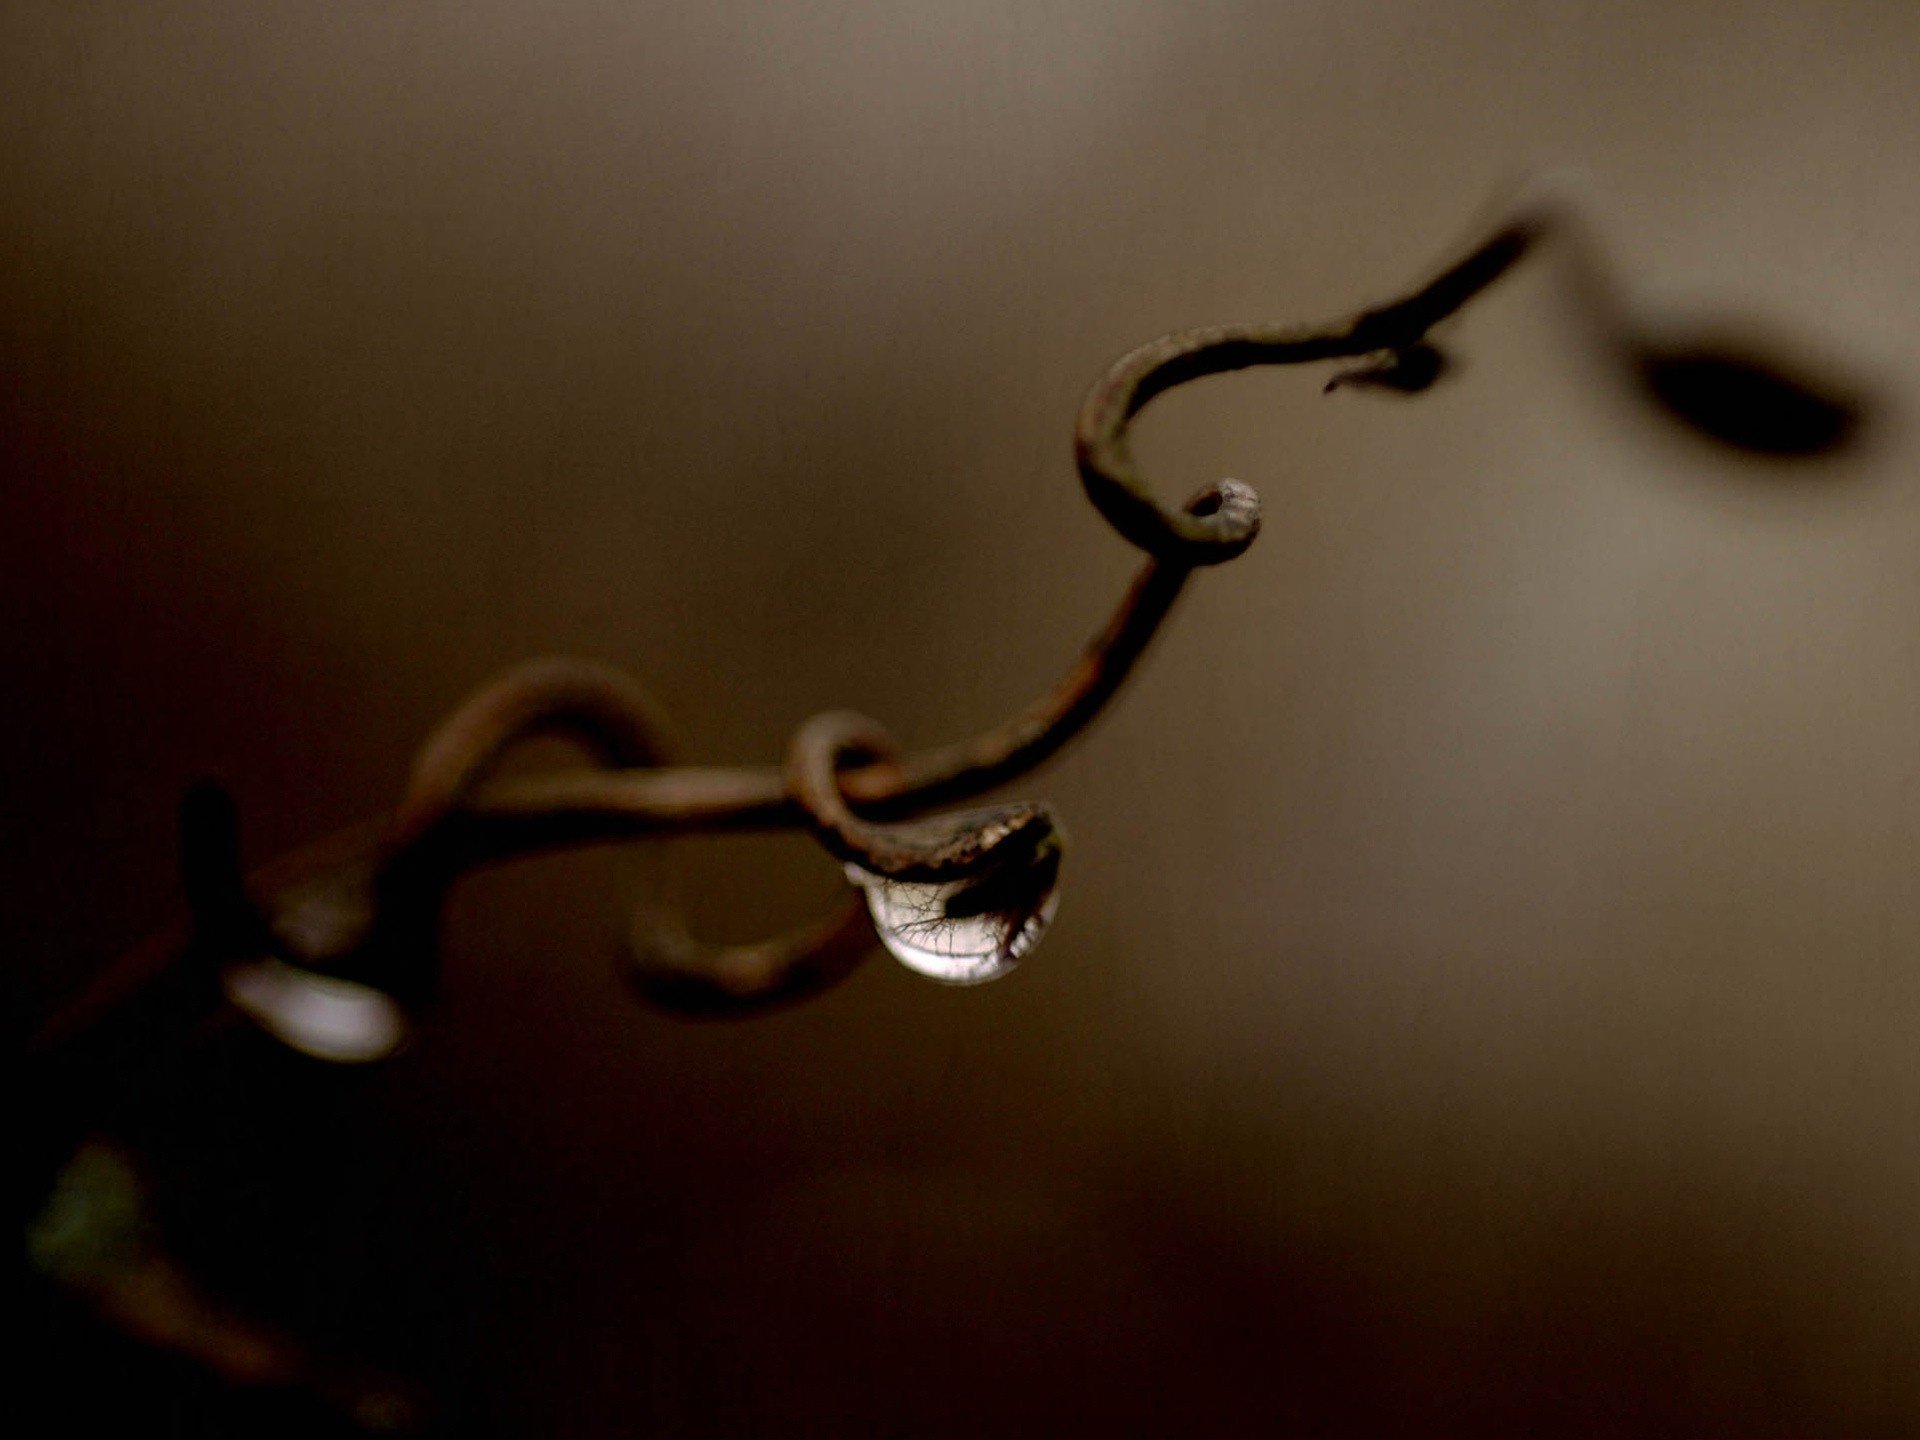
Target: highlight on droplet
[(323, 1016)]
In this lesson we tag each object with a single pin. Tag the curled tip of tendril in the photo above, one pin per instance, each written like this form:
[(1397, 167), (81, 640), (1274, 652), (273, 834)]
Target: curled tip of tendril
[(1234, 506), (1408, 370), (1214, 526), (1218, 523)]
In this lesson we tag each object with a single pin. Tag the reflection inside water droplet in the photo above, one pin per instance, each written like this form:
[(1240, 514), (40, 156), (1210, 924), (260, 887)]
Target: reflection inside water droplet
[(318, 1015), (966, 932)]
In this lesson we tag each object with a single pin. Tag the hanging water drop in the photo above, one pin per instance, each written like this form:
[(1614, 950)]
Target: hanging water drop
[(318, 1015), (968, 931)]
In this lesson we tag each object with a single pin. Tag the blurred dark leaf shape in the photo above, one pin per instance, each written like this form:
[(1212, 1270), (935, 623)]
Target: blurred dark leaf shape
[(1752, 404)]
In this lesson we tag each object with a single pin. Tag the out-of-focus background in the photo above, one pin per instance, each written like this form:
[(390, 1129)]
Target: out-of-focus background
[(1486, 986)]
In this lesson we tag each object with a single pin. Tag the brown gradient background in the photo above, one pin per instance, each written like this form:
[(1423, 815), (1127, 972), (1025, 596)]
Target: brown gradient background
[(1486, 991)]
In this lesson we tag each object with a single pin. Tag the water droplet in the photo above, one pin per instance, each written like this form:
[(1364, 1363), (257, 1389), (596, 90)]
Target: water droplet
[(966, 932), (318, 1015)]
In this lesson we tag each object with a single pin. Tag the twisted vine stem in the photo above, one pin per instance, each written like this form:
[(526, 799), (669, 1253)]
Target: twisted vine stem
[(382, 882), (365, 903)]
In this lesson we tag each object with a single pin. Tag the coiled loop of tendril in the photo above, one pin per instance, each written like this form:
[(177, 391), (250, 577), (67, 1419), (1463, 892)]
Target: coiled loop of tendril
[(955, 847)]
